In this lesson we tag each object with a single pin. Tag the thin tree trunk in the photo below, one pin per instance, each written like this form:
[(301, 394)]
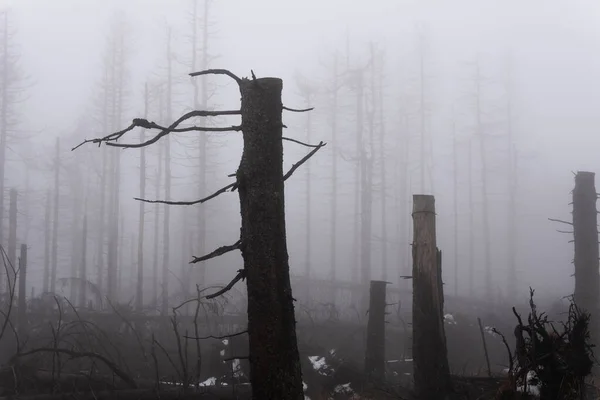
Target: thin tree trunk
[(55, 218), (47, 216), (471, 221), (382, 172), (83, 266), (334, 177), (167, 221), (140, 255), (308, 214), (157, 207), (12, 239), (3, 124), (375, 349), (22, 317), (455, 203), (274, 358)]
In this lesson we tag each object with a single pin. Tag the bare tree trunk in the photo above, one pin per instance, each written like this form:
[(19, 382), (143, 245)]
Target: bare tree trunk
[(431, 368), (484, 192), (140, 255), (471, 221), (334, 177), (83, 266), (375, 352), (512, 233), (157, 207), (3, 123), (47, 217), (585, 220), (455, 203), (167, 220), (12, 238), (55, 218), (382, 172), (22, 317), (274, 359)]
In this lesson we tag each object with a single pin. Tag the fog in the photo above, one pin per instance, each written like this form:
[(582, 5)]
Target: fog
[(531, 68)]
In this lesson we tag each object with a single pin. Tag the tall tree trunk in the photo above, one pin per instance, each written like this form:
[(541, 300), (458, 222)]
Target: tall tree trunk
[(12, 239), (83, 266), (55, 218), (431, 368), (274, 359), (308, 214), (511, 231), (471, 221), (334, 175), (3, 122), (22, 317), (356, 254), (484, 192), (382, 172), (167, 208), (455, 204), (47, 238), (157, 207), (140, 255)]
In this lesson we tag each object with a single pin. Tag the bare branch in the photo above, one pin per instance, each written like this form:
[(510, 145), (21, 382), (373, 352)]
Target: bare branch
[(240, 275), (217, 337), (298, 110), (230, 74), (299, 142), (218, 252), (303, 160), (145, 124), (559, 220), (192, 202)]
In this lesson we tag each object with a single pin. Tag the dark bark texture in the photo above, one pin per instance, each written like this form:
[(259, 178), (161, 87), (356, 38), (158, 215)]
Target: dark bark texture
[(375, 353), (431, 368), (274, 357), (585, 220)]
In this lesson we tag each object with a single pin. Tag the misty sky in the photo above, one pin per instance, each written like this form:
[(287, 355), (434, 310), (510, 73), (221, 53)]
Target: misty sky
[(552, 47)]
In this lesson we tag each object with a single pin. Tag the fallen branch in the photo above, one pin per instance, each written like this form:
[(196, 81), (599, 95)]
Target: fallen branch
[(217, 337), (74, 354)]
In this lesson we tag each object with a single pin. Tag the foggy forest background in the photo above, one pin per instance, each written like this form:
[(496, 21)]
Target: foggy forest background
[(489, 106)]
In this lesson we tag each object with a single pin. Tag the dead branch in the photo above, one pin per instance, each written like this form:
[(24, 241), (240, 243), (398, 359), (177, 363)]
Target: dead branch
[(298, 110), (217, 337), (218, 71), (240, 275), (218, 252), (74, 354), (192, 202), (145, 124), (303, 160), (559, 220), (299, 142)]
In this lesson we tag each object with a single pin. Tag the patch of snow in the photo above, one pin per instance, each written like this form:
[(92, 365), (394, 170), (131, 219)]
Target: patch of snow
[(533, 384), (449, 319), (304, 386), (343, 389), (237, 368), (222, 353), (490, 330), (209, 382), (319, 364), (225, 342)]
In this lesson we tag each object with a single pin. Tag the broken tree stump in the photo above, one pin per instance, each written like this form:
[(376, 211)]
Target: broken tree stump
[(430, 356), (585, 231), (375, 352)]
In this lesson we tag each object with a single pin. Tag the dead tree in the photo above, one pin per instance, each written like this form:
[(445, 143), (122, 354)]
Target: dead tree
[(47, 214), (140, 253), (585, 231), (12, 232), (274, 357), (22, 317), (375, 352), (431, 368), (55, 218), (83, 266)]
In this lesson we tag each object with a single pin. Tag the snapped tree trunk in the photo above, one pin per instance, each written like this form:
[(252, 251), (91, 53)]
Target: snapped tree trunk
[(585, 220), (431, 369), (375, 353), (274, 358)]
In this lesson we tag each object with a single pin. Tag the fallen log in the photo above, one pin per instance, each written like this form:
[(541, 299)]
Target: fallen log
[(208, 393)]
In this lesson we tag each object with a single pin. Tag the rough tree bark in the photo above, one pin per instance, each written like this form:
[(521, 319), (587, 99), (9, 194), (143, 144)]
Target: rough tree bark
[(431, 368), (375, 352), (274, 358), (585, 220)]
